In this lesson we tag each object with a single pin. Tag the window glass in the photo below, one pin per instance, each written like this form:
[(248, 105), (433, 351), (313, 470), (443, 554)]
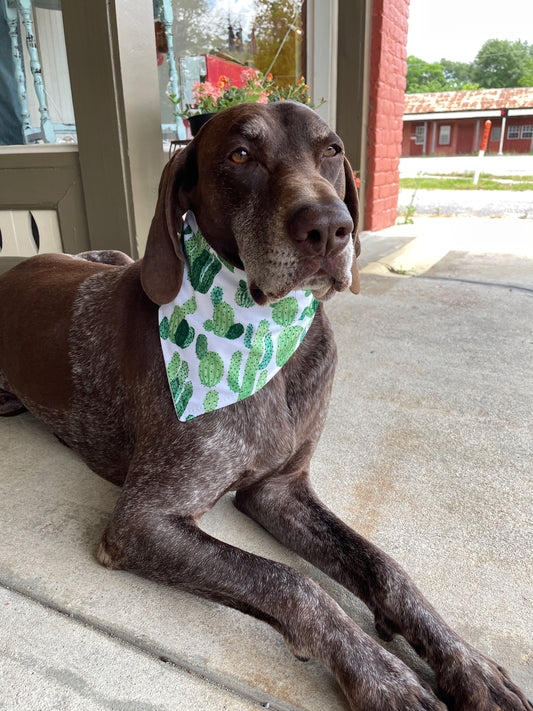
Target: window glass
[(35, 98), (419, 135), (202, 41), (495, 133), (513, 132), (444, 135), (527, 131)]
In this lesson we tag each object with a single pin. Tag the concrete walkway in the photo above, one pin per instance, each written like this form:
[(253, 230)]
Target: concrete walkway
[(493, 164), (427, 451)]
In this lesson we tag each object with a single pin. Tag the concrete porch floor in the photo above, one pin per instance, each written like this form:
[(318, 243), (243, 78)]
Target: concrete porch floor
[(427, 451)]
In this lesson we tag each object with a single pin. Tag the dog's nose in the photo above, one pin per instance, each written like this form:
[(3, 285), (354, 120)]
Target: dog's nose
[(321, 228)]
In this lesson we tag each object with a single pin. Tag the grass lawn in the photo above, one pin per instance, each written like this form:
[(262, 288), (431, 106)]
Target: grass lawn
[(464, 181)]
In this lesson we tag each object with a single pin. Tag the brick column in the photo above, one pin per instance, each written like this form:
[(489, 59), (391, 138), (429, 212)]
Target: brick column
[(388, 68)]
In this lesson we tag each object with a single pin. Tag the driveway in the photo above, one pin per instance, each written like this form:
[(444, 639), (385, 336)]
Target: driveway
[(473, 203)]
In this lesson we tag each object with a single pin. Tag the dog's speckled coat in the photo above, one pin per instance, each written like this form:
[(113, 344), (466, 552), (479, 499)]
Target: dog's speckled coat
[(79, 347)]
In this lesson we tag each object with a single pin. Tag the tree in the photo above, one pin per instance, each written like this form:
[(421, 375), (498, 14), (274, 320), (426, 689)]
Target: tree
[(196, 29), (273, 20), (502, 63), (498, 64), (424, 77), (458, 75)]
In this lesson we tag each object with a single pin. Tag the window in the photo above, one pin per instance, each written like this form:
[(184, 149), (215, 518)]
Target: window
[(206, 40), (420, 135), (527, 131), (444, 135), (35, 100), (513, 132), (495, 133)]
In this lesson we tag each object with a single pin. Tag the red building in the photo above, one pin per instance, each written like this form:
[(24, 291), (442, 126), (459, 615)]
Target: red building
[(452, 122)]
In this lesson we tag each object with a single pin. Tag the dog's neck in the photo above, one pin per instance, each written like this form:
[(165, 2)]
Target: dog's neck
[(219, 345)]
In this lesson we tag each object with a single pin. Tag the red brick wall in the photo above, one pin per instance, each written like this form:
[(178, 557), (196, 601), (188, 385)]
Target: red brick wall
[(388, 68)]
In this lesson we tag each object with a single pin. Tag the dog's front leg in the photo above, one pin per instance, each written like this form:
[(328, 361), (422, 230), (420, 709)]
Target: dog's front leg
[(291, 511), (175, 551)]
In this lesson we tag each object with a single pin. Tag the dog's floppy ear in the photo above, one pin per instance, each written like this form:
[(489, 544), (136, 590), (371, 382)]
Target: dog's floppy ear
[(352, 203), (162, 264)]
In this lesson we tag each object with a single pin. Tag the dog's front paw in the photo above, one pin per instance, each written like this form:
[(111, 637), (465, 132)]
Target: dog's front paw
[(473, 682), (390, 685), (406, 695)]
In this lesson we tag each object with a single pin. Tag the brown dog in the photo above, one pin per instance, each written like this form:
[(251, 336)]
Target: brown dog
[(273, 196)]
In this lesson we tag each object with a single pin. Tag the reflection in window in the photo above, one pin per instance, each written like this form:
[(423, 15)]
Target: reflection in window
[(35, 99), (202, 40)]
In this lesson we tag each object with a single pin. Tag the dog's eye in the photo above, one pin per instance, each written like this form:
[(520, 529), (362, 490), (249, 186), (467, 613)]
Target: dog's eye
[(330, 151), (241, 155)]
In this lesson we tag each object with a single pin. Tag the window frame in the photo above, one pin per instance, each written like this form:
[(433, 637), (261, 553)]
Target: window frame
[(443, 129)]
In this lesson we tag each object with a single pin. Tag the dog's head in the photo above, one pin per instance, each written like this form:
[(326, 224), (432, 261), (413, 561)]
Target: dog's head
[(272, 193)]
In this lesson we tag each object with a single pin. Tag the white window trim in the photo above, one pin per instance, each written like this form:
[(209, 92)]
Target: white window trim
[(322, 34), (516, 131), (526, 131)]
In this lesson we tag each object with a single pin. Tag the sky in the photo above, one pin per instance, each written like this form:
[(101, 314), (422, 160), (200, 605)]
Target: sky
[(457, 29)]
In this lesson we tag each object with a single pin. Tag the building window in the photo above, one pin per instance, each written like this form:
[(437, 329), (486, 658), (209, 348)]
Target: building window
[(444, 135), (527, 131), (495, 133), (513, 132), (420, 135)]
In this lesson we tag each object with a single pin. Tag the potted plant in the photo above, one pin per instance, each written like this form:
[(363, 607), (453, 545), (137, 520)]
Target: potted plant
[(211, 98)]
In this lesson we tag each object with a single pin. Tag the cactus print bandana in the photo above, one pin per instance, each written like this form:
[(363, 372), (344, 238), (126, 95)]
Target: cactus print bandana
[(219, 345)]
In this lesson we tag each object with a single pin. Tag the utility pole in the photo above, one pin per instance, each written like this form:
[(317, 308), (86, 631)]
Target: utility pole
[(503, 114)]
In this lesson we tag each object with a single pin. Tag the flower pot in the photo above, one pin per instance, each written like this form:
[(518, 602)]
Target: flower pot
[(197, 121)]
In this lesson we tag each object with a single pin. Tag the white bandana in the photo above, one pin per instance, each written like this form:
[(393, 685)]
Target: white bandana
[(219, 346)]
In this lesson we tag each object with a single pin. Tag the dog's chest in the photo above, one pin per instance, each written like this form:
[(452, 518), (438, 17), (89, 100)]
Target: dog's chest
[(278, 428)]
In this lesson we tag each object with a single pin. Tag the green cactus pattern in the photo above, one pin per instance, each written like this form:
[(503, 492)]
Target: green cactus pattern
[(288, 342), (268, 350), (242, 295), (285, 311), (204, 265), (164, 328), (223, 321), (181, 388), (178, 329), (260, 354), (310, 310), (211, 367), (211, 401)]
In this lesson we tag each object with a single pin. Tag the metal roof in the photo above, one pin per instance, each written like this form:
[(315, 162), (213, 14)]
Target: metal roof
[(480, 100)]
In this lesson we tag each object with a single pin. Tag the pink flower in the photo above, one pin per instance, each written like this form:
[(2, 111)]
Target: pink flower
[(248, 75)]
